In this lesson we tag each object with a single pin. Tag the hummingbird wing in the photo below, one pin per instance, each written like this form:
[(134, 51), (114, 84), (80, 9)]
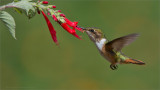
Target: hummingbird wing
[(119, 43)]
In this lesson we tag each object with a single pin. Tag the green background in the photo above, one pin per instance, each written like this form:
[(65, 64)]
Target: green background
[(34, 62)]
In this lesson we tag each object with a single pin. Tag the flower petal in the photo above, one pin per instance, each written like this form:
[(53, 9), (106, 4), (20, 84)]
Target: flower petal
[(72, 24), (51, 29), (68, 29), (74, 34), (55, 18)]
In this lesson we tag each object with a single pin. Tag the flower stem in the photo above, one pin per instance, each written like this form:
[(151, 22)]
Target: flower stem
[(10, 5)]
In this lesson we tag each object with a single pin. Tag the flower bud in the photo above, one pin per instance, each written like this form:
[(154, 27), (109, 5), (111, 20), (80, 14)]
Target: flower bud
[(38, 11), (62, 15), (48, 13), (45, 2), (59, 11), (53, 6)]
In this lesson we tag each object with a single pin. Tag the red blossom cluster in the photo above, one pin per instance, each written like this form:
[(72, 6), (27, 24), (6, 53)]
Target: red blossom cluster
[(68, 25)]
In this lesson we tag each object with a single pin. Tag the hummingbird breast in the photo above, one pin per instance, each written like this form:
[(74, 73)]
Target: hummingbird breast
[(107, 54)]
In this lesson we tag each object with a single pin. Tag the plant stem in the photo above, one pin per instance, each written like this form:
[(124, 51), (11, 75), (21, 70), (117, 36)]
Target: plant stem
[(10, 5)]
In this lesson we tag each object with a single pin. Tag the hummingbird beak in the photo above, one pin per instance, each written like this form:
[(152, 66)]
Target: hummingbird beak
[(81, 27), (84, 28)]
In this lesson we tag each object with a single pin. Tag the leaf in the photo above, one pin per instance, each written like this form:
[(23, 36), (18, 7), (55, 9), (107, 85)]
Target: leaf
[(27, 7), (18, 10), (8, 20), (16, 0)]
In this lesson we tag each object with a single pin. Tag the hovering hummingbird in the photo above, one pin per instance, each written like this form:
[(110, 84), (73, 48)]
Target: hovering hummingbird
[(111, 50)]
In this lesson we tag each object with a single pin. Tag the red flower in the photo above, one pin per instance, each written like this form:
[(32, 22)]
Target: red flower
[(73, 24), (55, 18), (68, 29), (78, 28), (53, 6), (45, 2), (51, 29)]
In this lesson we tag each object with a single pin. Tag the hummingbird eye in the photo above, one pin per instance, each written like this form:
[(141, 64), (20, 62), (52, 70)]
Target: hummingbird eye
[(92, 30)]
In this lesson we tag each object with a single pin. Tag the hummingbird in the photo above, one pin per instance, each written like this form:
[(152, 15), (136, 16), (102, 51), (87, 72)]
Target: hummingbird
[(111, 50)]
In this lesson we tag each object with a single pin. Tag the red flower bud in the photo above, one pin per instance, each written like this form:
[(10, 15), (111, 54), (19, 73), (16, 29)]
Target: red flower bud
[(38, 11), (59, 11), (55, 18), (45, 2), (53, 6), (62, 15), (48, 13), (51, 29)]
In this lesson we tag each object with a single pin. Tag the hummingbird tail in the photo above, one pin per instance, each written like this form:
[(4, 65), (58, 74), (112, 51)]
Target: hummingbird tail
[(133, 61)]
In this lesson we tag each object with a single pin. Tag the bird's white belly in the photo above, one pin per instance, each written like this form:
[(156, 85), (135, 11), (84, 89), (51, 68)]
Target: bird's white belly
[(100, 45)]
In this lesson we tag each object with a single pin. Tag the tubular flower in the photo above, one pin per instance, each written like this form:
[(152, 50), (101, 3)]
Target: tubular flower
[(78, 28), (68, 29), (68, 24), (51, 29), (55, 18), (60, 18), (73, 24)]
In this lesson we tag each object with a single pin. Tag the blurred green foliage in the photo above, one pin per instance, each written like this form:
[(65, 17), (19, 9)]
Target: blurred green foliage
[(34, 62)]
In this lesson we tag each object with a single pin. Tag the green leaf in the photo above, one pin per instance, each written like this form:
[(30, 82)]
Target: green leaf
[(16, 0), (8, 20), (27, 7), (18, 10)]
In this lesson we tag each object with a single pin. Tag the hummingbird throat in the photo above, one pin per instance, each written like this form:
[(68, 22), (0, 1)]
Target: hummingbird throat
[(100, 43)]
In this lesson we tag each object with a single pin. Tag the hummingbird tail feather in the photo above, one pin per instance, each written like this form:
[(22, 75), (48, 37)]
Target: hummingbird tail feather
[(133, 61)]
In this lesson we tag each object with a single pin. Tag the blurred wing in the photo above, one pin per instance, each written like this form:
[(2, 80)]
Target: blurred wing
[(119, 43)]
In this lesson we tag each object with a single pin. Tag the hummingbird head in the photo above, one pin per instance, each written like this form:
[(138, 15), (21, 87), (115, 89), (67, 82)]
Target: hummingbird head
[(95, 34)]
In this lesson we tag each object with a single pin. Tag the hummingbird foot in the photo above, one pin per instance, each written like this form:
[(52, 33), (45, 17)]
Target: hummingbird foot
[(113, 66)]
